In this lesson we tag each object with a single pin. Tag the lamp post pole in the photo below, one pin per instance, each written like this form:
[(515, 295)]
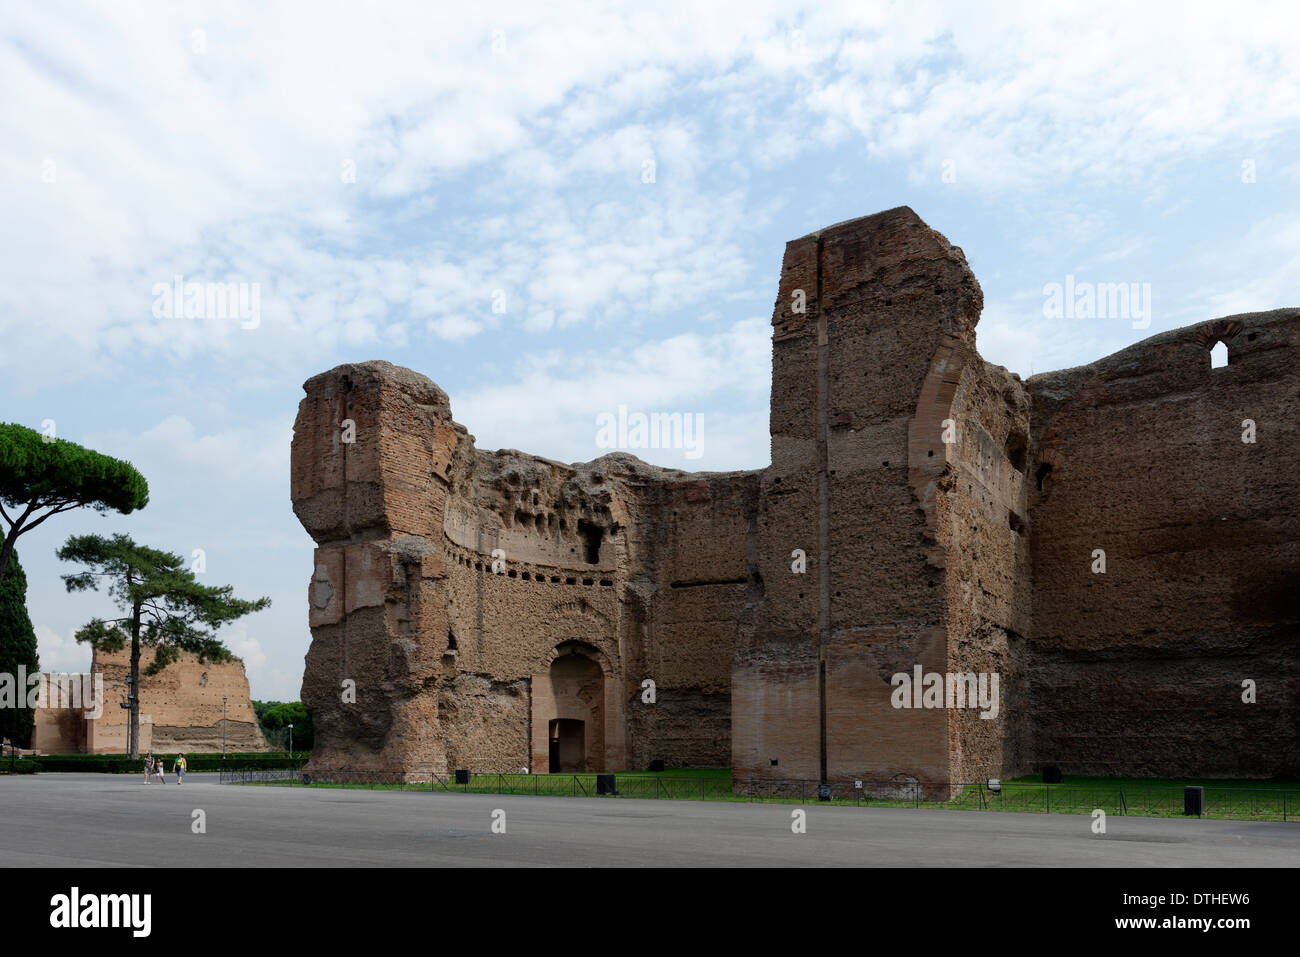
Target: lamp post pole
[(223, 727), (290, 742)]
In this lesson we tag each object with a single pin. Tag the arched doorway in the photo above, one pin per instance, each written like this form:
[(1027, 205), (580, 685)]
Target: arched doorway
[(568, 706), (568, 745)]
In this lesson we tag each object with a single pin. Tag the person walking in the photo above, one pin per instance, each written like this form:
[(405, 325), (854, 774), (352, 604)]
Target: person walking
[(158, 770), (179, 768), (148, 767)]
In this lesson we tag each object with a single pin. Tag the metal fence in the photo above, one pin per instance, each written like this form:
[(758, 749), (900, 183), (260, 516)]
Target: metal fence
[(1256, 804)]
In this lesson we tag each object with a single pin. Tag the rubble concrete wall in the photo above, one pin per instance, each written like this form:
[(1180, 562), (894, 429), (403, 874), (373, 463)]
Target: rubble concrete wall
[(923, 509), (1139, 669), (180, 709)]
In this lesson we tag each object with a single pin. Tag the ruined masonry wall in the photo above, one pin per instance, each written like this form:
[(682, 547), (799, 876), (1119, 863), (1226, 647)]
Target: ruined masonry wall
[(180, 709), (1139, 670), (970, 555)]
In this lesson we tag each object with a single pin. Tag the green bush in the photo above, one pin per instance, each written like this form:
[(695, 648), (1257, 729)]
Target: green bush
[(120, 764)]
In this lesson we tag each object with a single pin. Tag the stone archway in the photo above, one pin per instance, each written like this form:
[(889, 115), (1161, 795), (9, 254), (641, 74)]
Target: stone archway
[(570, 711)]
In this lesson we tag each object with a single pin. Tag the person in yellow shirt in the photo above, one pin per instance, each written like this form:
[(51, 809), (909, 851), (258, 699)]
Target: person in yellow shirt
[(179, 768)]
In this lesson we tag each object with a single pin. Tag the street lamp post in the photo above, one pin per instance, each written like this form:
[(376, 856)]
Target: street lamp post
[(223, 727), (290, 742)]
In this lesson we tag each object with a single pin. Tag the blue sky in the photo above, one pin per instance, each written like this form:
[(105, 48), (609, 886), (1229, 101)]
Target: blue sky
[(385, 177)]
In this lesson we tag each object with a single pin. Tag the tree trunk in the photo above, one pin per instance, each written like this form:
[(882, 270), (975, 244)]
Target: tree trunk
[(8, 549), (134, 690), (11, 538)]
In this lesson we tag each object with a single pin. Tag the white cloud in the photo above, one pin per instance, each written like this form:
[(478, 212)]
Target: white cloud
[(175, 443), (60, 654), (548, 403)]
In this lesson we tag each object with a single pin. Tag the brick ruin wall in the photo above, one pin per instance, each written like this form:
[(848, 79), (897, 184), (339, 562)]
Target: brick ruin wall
[(1139, 670), (180, 709), (965, 555), (641, 571)]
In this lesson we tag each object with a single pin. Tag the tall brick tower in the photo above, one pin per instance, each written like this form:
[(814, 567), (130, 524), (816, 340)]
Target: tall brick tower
[(873, 332), (371, 448)]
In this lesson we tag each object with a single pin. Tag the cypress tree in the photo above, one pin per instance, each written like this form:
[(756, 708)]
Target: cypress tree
[(17, 647)]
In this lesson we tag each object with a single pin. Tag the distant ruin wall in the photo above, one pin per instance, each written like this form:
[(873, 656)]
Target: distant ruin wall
[(181, 709)]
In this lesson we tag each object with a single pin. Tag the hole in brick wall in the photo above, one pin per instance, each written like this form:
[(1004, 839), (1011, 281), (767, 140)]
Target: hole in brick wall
[(1043, 477), (555, 579), (773, 762), (451, 641), (1016, 522), (930, 454), (571, 581), (523, 518), (1219, 355), (512, 573), (1017, 445), (525, 576), (587, 581), (606, 582), (478, 566), (885, 464), (1251, 337)]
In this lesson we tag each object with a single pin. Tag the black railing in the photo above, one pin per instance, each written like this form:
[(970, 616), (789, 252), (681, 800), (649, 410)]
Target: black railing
[(1260, 804)]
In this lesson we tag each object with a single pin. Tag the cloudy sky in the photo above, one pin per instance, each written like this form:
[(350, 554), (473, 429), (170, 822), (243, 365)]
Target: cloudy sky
[(553, 211)]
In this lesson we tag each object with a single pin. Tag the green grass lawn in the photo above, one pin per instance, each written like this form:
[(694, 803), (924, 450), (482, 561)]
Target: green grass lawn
[(1150, 797)]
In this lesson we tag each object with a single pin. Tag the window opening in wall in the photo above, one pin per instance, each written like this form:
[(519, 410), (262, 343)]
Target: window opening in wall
[(451, 641), (1219, 355), (591, 536), (1016, 447), (1044, 476)]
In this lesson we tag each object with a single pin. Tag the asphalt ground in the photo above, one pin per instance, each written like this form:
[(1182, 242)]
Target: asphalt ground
[(101, 820)]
